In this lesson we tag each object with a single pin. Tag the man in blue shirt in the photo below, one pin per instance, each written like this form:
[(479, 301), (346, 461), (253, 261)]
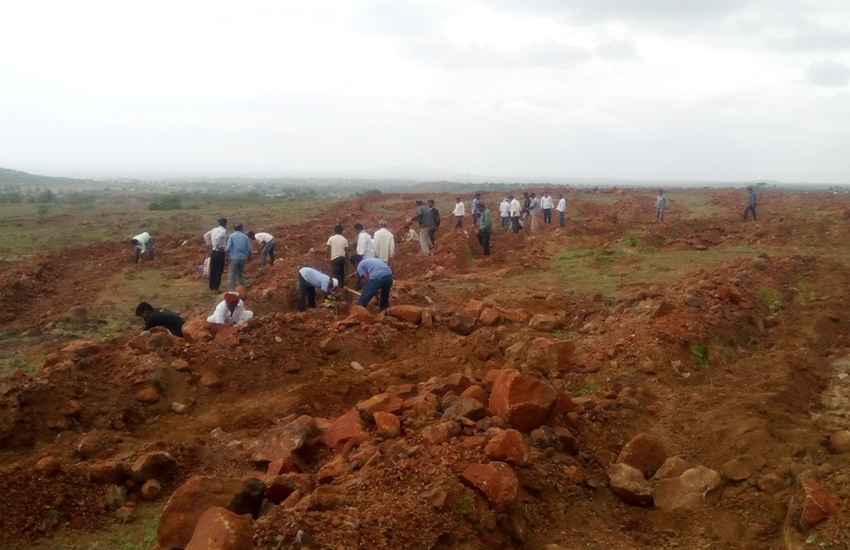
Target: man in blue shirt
[(378, 276), (751, 205), (309, 280), (239, 249)]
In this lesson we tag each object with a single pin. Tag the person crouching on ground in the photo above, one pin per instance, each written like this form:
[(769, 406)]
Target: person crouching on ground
[(267, 244), (309, 280), (158, 317), (142, 242), (231, 311), (378, 276)]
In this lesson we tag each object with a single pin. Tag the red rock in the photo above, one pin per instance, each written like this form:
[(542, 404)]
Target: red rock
[(211, 380), (672, 467), (467, 408), (629, 485), (544, 322), (358, 315), (644, 452), (738, 469), (410, 314), (496, 481), (490, 317), (348, 427), (82, 348), (388, 425), (664, 308), (567, 439), (140, 343), (363, 454), (420, 405), (150, 489), (226, 338), (107, 473), (383, 402), (331, 344), (508, 446), (54, 358), (517, 315), (839, 441), (187, 505), (157, 465), (125, 514), (48, 466), (332, 469), (221, 529), (473, 307), (402, 391), (280, 487), (147, 395), (475, 392), (727, 293), (196, 331), (771, 483), (435, 435), (455, 383), (462, 322), (427, 318), (818, 504), (692, 489), (521, 400), (281, 441)]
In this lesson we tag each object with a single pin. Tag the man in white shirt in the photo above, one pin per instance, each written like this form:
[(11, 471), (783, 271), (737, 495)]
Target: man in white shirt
[(216, 239), (562, 209), (267, 244), (142, 242), (338, 250), (505, 213), (384, 242), (409, 234), (546, 203), (309, 280), (459, 212), (230, 311), (475, 213), (364, 242), (515, 212), (534, 212)]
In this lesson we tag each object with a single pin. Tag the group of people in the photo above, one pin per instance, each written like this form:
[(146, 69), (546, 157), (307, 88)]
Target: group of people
[(236, 246), (516, 216)]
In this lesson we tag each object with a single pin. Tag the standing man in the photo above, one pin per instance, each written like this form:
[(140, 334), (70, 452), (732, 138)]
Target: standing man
[(267, 244), (546, 204), (505, 213), (562, 209), (660, 205), (751, 206), (338, 250), (239, 249), (309, 280), (425, 218), (142, 241), (436, 214), (384, 242), (534, 212), (364, 242), (485, 228), (216, 239), (379, 277), (516, 212), (475, 209), (459, 212), (526, 203), (230, 311)]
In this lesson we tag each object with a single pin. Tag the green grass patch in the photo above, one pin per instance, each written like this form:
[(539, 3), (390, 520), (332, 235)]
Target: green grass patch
[(771, 298), (805, 295), (700, 352), (17, 361), (588, 389), (630, 239)]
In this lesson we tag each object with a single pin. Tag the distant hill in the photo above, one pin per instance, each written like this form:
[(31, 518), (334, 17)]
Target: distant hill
[(16, 178)]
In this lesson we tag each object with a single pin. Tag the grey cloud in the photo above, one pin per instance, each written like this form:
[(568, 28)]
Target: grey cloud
[(814, 37), (541, 54), (828, 73), (617, 50)]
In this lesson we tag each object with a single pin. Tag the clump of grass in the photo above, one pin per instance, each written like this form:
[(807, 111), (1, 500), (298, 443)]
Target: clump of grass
[(586, 390), (701, 353), (804, 294), (771, 298), (18, 361), (468, 253), (558, 334), (631, 239)]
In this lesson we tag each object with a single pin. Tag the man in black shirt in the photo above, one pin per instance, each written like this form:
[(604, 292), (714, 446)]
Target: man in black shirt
[(160, 318)]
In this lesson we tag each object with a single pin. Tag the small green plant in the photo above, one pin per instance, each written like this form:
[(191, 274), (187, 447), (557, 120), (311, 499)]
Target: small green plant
[(558, 334), (468, 253), (631, 239), (804, 294), (52, 517), (463, 507), (771, 298), (701, 353), (586, 390), (18, 361), (43, 213)]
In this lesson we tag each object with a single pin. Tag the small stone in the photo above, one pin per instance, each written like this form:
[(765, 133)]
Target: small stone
[(125, 514), (388, 425), (738, 469), (436, 497), (629, 484), (157, 465), (348, 427), (521, 400), (462, 322), (221, 529), (544, 322), (818, 504), (147, 395), (179, 408), (495, 480), (644, 452), (771, 483), (672, 467), (78, 314), (839, 442), (48, 466), (508, 446), (150, 489), (211, 380), (692, 489), (115, 497)]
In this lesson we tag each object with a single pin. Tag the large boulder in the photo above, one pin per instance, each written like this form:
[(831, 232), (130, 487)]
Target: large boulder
[(410, 314), (196, 331), (496, 480), (544, 322), (348, 427), (521, 400), (281, 441), (157, 465), (462, 322), (629, 484), (187, 505), (688, 491), (221, 529), (508, 446), (548, 354), (644, 452)]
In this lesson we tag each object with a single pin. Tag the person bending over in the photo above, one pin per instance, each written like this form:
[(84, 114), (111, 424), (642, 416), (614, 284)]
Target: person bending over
[(158, 317), (378, 276)]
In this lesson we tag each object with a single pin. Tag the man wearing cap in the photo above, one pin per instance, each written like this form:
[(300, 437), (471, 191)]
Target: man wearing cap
[(267, 244), (384, 242), (216, 239), (230, 311), (142, 242), (239, 248), (379, 277), (309, 280)]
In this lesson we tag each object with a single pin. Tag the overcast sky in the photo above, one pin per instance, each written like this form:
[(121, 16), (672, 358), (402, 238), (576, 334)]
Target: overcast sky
[(640, 89)]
